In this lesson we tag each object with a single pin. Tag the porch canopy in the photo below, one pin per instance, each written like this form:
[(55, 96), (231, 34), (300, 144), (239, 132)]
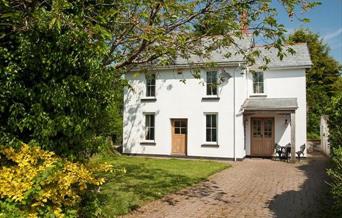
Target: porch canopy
[(278, 105), (270, 104)]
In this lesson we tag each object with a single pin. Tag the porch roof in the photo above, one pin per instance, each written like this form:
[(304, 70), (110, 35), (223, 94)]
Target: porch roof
[(270, 104)]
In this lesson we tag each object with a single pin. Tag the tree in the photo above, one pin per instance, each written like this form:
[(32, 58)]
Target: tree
[(62, 60), (320, 79)]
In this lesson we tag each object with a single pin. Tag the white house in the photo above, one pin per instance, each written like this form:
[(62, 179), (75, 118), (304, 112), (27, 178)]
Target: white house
[(169, 112)]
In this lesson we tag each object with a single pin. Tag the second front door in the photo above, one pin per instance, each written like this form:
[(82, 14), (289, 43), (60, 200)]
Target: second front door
[(179, 136)]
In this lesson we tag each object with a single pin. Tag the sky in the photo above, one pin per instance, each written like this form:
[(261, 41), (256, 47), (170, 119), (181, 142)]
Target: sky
[(326, 20)]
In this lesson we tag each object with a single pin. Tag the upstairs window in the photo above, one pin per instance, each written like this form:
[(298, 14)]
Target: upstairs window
[(211, 128), (212, 83), (258, 82), (151, 85), (149, 127)]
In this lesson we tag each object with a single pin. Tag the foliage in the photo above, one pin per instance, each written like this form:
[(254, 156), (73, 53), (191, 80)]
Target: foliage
[(335, 174), (320, 78), (148, 179), (335, 136), (335, 121), (37, 182), (53, 88), (337, 86), (61, 61)]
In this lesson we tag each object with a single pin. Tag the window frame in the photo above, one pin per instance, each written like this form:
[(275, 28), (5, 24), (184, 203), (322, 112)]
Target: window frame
[(148, 127), (150, 85), (211, 86), (211, 141), (256, 83)]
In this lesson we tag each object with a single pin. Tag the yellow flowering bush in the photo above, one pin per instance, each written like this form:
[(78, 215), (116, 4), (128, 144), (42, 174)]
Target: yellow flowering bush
[(40, 182)]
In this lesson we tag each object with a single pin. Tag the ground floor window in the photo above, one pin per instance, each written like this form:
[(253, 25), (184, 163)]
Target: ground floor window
[(211, 127), (149, 126)]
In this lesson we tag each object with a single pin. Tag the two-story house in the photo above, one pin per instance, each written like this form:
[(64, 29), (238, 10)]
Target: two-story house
[(232, 111)]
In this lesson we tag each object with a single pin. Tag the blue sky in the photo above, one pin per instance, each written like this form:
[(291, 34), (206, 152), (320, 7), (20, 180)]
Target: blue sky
[(326, 20)]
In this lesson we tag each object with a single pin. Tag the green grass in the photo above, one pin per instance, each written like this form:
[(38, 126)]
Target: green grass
[(313, 136), (148, 179)]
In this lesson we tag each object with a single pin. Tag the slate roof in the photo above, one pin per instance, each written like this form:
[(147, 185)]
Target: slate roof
[(264, 104), (300, 58), (219, 55)]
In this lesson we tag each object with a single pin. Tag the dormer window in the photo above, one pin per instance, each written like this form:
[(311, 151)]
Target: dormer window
[(151, 85), (211, 83), (258, 83)]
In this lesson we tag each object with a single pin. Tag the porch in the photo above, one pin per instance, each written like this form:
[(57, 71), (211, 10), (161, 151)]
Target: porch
[(268, 121)]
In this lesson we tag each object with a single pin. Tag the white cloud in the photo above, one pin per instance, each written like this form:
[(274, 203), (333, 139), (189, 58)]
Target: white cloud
[(333, 35)]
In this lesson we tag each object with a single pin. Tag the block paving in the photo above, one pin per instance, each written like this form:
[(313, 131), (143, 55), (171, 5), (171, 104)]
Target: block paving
[(250, 188)]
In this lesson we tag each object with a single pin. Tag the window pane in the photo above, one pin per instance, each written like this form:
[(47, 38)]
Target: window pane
[(153, 91), (150, 85), (213, 134), (211, 127), (177, 130), (152, 120), (183, 130), (261, 87), (211, 83), (183, 123), (257, 128), (153, 79), (151, 134), (258, 82), (214, 90), (268, 124), (149, 127), (213, 121), (208, 135), (208, 122), (147, 121)]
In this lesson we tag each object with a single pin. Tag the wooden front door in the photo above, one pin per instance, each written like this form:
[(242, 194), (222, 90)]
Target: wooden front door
[(179, 136), (262, 137)]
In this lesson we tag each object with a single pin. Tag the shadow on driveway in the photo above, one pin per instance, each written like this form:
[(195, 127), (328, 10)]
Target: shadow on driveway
[(308, 201)]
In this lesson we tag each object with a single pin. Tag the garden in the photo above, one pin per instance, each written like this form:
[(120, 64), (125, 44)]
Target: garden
[(62, 79)]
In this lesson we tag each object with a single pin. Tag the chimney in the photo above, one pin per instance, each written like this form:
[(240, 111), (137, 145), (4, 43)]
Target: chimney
[(244, 22)]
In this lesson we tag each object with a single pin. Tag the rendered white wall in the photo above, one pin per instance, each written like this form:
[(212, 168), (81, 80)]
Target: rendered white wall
[(285, 84), (178, 100)]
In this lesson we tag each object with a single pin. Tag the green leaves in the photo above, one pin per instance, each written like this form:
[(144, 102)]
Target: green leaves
[(61, 61), (53, 87), (320, 78)]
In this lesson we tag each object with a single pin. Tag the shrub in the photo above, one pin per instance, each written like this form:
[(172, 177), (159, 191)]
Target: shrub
[(54, 88), (37, 182), (335, 174), (335, 136)]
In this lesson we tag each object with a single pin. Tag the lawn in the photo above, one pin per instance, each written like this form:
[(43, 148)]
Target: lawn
[(148, 179)]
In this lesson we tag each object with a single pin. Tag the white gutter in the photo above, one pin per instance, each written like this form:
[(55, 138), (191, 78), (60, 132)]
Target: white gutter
[(234, 108), (152, 67)]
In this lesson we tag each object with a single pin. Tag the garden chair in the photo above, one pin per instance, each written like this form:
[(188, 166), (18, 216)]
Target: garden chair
[(301, 151), (278, 150), (287, 151)]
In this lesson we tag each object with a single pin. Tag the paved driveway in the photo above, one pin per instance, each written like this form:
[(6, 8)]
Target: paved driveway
[(251, 188)]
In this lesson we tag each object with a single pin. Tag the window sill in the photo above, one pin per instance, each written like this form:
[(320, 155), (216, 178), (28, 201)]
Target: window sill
[(148, 99), (151, 143), (209, 145), (258, 95), (211, 98)]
